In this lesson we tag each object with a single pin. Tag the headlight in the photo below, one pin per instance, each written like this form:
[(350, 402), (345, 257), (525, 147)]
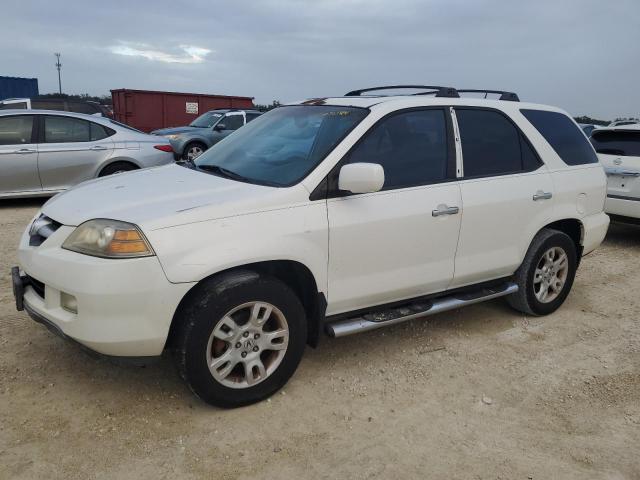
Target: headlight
[(109, 239)]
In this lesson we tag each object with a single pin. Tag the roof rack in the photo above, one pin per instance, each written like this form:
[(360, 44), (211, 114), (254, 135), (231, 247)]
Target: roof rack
[(438, 91), (449, 92), (507, 96)]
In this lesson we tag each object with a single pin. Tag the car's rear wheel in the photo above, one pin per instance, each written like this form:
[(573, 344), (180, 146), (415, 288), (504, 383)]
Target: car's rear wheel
[(240, 339), (117, 167), (193, 150), (546, 275)]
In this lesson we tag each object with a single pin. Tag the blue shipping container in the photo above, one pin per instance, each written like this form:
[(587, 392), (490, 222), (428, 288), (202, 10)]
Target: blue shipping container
[(15, 87)]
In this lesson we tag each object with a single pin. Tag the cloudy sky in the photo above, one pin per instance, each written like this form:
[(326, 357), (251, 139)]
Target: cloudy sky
[(581, 55)]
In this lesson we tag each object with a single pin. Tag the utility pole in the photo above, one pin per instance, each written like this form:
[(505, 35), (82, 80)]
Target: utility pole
[(58, 66)]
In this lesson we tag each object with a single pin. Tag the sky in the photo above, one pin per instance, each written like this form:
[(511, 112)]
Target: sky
[(580, 55)]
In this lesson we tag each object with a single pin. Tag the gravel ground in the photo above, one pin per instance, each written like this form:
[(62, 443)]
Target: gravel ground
[(479, 393)]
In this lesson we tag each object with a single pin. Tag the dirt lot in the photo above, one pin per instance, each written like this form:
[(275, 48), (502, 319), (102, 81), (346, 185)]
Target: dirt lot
[(480, 393)]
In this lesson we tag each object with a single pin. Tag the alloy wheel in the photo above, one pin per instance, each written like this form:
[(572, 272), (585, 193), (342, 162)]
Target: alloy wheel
[(551, 274), (247, 344)]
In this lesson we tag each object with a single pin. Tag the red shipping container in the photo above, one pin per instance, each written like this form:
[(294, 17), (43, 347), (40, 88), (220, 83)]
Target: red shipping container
[(149, 110)]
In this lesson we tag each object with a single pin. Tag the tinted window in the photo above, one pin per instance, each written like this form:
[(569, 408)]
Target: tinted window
[(492, 145), (65, 129), (612, 142), (252, 116), (15, 130), (232, 122), (563, 135), (410, 146), (98, 132)]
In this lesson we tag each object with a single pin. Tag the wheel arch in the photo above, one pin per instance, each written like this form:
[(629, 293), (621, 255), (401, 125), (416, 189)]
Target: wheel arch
[(573, 228), (113, 160), (292, 273)]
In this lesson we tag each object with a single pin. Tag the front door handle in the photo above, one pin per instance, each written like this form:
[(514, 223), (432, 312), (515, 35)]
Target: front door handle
[(97, 148), (444, 210), (540, 195), (22, 151)]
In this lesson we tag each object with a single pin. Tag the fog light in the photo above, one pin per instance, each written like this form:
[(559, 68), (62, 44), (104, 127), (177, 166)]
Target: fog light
[(69, 302)]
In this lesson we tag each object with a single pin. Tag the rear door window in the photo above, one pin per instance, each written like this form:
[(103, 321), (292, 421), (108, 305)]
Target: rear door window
[(66, 130), (233, 122), (16, 130), (492, 145), (563, 135), (621, 143)]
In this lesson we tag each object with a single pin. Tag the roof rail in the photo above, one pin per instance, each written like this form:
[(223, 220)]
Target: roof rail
[(507, 96), (439, 91)]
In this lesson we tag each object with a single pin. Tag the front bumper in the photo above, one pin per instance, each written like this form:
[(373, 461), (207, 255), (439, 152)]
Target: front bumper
[(124, 306)]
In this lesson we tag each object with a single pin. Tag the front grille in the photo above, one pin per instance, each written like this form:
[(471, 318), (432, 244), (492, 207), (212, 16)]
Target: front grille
[(37, 286), (41, 229)]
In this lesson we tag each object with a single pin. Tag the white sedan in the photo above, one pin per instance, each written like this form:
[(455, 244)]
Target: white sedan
[(44, 152)]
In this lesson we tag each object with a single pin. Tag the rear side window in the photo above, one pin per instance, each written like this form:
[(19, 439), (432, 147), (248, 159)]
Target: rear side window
[(410, 146), (98, 132), (563, 135), (65, 129), (492, 145), (15, 130), (612, 142)]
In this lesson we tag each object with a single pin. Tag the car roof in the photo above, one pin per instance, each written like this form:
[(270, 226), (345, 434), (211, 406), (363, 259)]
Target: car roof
[(226, 110), (64, 113), (371, 102)]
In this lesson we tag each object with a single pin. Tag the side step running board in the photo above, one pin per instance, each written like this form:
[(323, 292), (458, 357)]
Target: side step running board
[(371, 321)]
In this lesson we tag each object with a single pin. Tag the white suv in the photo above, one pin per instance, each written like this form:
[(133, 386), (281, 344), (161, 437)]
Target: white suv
[(619, 152), (337, 214)]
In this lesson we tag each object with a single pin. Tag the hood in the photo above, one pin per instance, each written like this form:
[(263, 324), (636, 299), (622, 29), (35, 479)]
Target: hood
[(163, 197), (175, 130)]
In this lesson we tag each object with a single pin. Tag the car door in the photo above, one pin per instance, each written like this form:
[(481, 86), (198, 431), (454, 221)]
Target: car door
[(507, 194), (71, 150), (18, 155), (399, 242)]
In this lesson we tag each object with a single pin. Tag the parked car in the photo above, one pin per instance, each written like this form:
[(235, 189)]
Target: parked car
[(621, 123), (338, 214), (619, 152), (66, 105), (45, 152), (208, 129)]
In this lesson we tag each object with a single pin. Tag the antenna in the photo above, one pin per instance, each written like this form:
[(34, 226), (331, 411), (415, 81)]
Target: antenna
[(58, 66)]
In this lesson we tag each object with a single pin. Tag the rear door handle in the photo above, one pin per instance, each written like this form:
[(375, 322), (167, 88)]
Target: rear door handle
[(444, 210), (540, 195), (97, 148), (22, 151)]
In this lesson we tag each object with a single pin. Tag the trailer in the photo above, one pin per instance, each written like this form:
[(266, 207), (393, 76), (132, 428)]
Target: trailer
[(149, 110), (17, 87)]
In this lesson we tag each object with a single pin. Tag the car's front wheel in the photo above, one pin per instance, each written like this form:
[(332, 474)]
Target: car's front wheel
[(241, 338), (193, 150), (546, 275)]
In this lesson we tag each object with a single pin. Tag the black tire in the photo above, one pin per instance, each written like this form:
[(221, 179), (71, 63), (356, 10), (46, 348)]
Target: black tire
[(525, 299), (117, 167), (189, 146), (206, 306)]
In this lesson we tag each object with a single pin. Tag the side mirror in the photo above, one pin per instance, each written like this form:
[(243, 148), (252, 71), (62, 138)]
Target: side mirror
[(361, 178), (220, 126)]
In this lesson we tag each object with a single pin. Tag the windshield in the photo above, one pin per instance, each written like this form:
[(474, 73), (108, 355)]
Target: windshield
[(282, 146), (207, 120)]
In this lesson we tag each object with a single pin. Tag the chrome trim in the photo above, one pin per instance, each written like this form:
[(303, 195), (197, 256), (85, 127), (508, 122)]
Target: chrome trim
[(623, 172), (356, 325), (444, 210), (540, 195)]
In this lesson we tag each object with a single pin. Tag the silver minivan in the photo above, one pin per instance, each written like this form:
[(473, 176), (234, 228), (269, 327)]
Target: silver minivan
[(43, 152)]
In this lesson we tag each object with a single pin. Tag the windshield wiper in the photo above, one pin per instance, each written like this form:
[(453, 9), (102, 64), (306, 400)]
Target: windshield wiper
[(223, 172)]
